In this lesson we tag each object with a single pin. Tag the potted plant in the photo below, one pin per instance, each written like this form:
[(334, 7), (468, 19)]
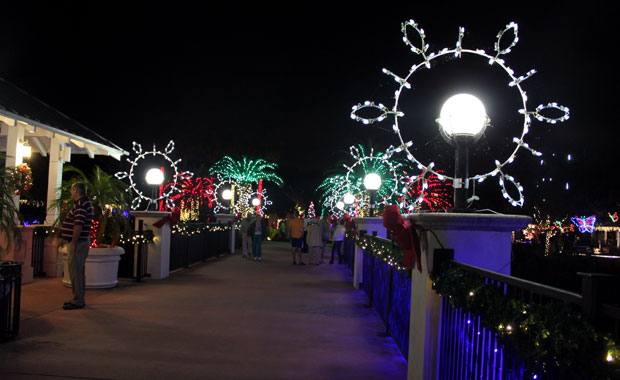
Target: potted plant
[(111, 220)]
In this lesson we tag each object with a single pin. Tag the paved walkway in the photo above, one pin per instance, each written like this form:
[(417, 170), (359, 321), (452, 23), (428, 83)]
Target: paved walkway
[(227, 318)]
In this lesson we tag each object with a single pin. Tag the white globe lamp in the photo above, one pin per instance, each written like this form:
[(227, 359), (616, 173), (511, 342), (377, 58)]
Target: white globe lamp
[(348, 199), (372, 182), (462, 121), (154, 176)]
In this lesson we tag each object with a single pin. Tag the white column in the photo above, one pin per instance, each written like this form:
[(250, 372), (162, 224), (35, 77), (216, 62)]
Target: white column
[(228, 218), (479, 240), (13, 150), (54, 179), (372, 226), (158, 261)]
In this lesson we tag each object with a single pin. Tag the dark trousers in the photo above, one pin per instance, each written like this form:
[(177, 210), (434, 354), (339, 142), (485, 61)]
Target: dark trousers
[(337, 247)]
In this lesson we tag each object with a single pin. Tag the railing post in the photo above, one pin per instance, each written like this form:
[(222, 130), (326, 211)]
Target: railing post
[(589, 292)]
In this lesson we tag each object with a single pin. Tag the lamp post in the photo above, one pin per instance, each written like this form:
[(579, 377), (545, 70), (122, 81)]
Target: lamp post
[(462, 121), (154, 177), (372, 182), (227, 196)]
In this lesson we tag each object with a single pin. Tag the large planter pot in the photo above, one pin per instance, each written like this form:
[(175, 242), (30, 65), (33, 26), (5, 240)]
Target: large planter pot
[(101, 267)]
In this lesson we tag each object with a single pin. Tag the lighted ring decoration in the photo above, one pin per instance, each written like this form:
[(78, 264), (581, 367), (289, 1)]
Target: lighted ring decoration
[(363, 161), (137, 148), (458, 51), (216, 193)]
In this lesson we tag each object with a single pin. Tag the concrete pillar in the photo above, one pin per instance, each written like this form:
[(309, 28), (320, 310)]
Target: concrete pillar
[(158, 261), (227, 219), (54, 179), (479, 240), (369, 226)]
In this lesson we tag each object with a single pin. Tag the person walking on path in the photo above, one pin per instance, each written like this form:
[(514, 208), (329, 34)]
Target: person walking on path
[(246, 242), (76, 233), (325, 234), (296, 232), (338, 237), (257, 229), (315, 241)]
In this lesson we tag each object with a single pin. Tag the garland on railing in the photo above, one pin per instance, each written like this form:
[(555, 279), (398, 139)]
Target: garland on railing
[(390, 256), (146, 237), (539, 333), (189, 230)]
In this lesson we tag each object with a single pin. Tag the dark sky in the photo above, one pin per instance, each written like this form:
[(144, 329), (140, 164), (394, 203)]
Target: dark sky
[(278, 82)]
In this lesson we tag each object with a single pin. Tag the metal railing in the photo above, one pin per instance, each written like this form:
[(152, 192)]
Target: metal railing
[(198, 242), (467, 350), (389, 293)]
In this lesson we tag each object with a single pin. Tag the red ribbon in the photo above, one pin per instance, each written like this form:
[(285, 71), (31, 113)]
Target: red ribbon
[(405, 236), (173, 218)]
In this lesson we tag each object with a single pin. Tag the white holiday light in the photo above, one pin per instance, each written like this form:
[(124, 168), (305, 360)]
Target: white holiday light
[(137, 148), (428, 59)]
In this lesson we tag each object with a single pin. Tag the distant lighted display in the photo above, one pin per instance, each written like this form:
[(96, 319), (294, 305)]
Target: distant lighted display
[(584, 224)]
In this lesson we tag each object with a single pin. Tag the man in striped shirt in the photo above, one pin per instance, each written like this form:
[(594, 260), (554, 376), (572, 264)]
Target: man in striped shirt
[(76, 233)]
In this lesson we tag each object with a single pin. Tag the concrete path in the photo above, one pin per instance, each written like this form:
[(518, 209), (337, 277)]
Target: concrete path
[(227, 318)]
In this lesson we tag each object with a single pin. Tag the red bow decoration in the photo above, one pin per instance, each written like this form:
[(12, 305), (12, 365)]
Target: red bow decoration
[(404, 234), (173, 218)]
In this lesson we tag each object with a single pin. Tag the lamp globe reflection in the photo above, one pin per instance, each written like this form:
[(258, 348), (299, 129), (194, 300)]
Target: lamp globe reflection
[(372, 182), (462, 121)]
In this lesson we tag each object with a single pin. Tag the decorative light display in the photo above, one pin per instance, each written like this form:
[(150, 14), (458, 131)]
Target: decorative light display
[(584, 224), (379, 164), (172, 189), (256, 201), (333, 189), (20, 178), (425, 192), (428, 61), (391, 256), (311, 211), (245, 170), (614, 217), (216, 194), (194, 193)]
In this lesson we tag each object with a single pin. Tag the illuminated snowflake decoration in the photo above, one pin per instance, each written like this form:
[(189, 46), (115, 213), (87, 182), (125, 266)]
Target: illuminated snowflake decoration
[(379, 164), (428, 60), (171, 189), (216, 193), (264, 201)]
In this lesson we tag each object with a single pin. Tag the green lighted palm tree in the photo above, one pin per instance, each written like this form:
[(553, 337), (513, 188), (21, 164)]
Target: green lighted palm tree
[(246, 171)]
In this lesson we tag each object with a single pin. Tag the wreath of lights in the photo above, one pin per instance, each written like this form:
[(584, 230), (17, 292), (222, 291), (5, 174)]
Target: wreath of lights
[(379, 164), (216, 194), (458, 51), (166, 195)]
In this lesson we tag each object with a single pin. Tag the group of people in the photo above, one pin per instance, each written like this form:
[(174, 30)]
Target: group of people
[(253, 231), (306, 235), (315, 233)]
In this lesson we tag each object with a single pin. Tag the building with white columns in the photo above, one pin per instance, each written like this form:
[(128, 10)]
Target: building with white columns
[(25, 120)]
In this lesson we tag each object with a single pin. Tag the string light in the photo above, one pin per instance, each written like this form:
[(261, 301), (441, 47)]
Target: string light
[(515, 82), (172, 189)]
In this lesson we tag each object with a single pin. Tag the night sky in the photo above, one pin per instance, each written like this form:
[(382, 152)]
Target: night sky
[(279, 83)]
